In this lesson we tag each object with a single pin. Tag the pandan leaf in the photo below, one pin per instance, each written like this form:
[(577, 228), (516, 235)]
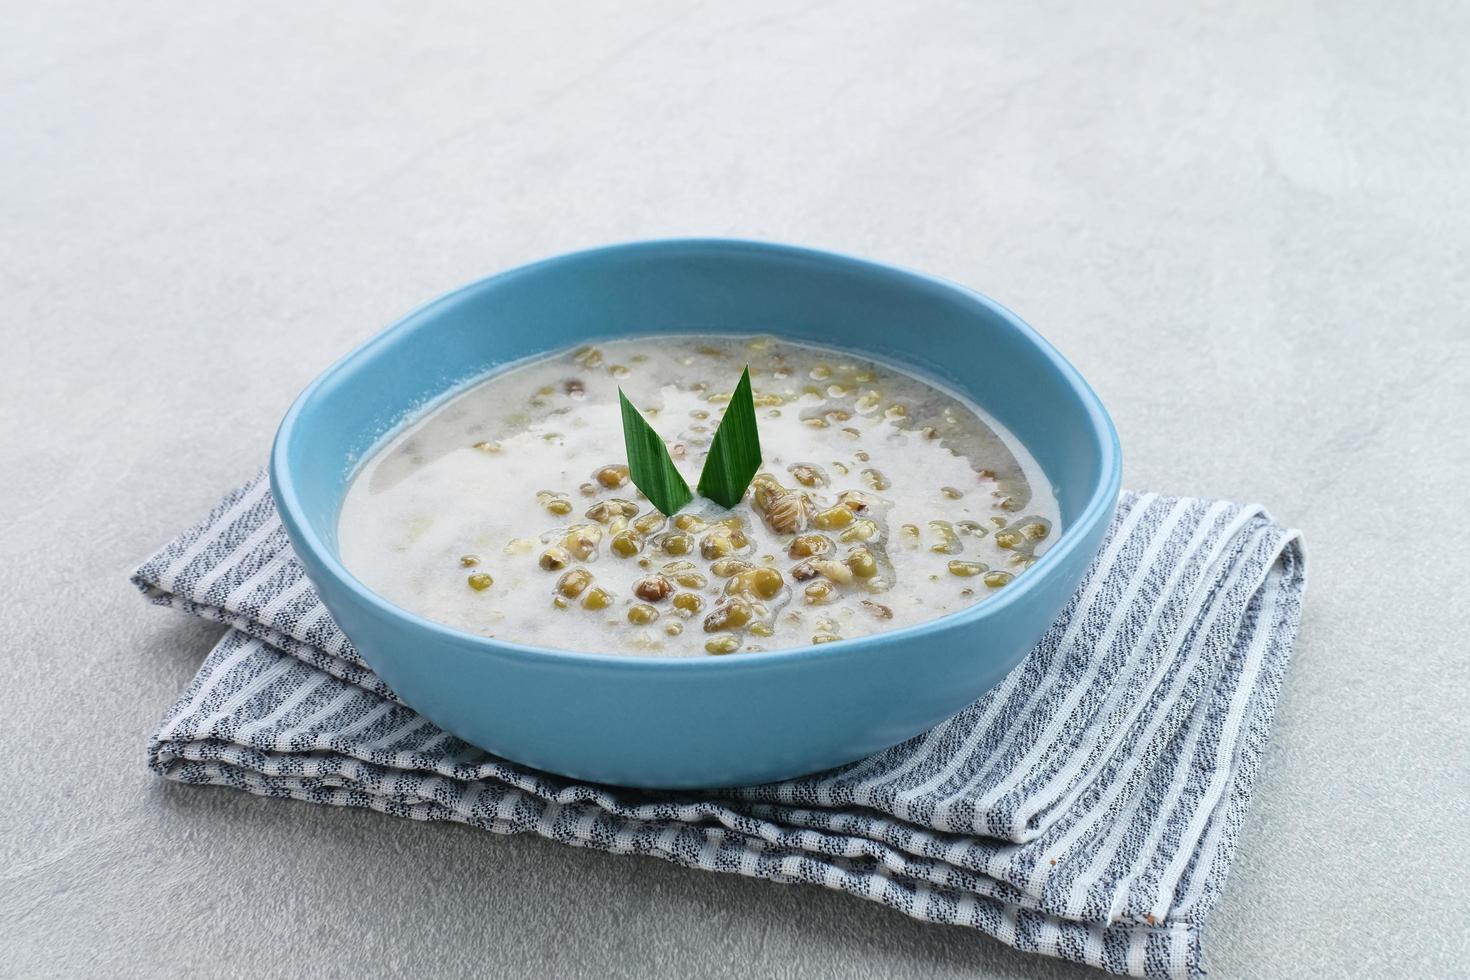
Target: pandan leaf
[(735, 455), (649, 465)]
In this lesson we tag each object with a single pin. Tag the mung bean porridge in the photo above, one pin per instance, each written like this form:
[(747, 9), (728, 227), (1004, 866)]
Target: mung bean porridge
[(882, 501)]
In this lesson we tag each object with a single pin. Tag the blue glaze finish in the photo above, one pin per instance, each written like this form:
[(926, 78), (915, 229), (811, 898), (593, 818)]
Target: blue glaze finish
[(744, 718)]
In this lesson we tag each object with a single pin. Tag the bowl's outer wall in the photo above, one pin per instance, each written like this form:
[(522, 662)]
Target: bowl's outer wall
[(657, 723)]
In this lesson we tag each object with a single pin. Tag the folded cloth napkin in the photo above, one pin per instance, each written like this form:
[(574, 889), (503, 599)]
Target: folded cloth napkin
[(1087, 808)]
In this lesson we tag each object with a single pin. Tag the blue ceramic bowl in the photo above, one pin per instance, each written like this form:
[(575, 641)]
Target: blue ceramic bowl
[(651, 722)]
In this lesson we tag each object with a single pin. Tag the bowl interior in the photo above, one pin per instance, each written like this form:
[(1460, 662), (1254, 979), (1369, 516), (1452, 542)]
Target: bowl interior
[(935, 327)]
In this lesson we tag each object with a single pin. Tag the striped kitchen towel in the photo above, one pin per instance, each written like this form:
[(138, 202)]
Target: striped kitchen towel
[(1087, 808)]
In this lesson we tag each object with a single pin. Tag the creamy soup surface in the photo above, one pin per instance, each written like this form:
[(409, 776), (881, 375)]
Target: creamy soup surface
[(882, 501)]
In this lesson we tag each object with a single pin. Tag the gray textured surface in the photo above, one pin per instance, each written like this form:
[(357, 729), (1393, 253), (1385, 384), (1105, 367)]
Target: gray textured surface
[(1245, 224)]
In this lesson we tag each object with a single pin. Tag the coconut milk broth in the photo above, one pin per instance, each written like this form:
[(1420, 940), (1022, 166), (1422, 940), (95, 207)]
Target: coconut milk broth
[(455, 516)]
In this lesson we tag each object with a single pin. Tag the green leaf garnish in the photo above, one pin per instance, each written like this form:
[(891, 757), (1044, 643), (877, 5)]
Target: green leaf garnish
[(649, 465), (735, 455)]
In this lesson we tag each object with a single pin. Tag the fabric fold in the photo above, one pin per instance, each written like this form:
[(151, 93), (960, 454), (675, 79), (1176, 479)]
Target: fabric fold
[(1087, 808)]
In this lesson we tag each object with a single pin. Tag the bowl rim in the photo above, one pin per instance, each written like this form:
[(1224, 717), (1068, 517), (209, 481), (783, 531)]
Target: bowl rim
[(1099, 505)]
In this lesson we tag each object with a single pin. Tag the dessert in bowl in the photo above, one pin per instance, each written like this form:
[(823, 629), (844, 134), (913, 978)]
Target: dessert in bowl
[(934, 480), (880, 501)]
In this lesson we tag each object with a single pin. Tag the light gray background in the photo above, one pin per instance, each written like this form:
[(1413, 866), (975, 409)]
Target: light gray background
[(1248, 223)]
